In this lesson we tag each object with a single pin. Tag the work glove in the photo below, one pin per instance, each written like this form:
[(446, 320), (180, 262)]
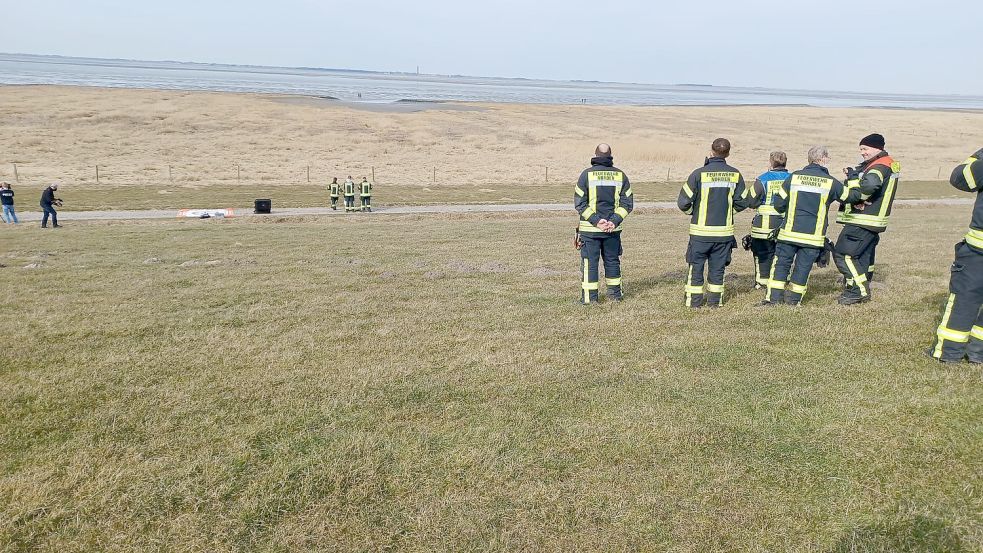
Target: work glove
[(577, 242), (746, 242), (773, 235)]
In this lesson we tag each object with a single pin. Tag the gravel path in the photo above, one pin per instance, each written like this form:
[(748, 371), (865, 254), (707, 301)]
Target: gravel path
[(325, 211)]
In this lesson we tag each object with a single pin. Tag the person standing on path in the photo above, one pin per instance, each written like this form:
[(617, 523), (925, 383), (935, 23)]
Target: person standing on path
[(48, 203), (7, 199), (366, 194), (349, 194), (334, 189)]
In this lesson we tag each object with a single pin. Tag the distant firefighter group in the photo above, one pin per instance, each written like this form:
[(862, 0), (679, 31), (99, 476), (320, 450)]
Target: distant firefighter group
[(348, 188)]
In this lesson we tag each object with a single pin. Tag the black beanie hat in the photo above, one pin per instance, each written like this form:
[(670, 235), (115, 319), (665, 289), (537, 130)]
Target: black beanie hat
[(874, 141)]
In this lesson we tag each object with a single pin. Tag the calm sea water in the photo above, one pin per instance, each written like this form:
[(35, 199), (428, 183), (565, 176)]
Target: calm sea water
[(359, 86)]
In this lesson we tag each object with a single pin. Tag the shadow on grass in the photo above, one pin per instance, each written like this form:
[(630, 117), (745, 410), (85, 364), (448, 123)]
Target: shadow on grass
[(737, 284), (915, 534)]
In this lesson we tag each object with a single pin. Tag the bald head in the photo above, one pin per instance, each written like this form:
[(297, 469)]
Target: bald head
[(602, 150)]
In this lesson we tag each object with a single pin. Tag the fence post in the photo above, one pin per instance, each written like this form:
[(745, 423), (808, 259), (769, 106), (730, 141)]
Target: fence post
[(308, 173), (373, 174), (97, 174), (169, 177), (939, 174), (435, 175), (237, 173), (547, 173), (16, 176), (669, 170)]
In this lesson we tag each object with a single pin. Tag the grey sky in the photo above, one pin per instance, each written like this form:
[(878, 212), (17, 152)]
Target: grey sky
[(906, 46)]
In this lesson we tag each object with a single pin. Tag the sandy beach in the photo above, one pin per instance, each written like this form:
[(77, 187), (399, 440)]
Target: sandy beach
[(198, 139)]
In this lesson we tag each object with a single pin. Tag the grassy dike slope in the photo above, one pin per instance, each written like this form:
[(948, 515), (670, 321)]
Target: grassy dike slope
[(426, 383)]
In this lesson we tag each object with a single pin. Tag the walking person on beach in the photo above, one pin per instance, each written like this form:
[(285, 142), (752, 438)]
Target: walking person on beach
[(603, 199), (366, 194), (48, 203), (7, 199), (334, 187), (349, 194)]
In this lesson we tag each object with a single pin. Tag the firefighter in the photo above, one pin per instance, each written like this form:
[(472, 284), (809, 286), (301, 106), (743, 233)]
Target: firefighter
[(366, 194), (960, 334), (864, 221), (712, 194), (767, 221), (803, 198), (334, 187), (603, 199), (349, 194)]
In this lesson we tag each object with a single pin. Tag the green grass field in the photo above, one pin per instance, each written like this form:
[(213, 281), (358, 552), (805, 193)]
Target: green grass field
[(423, 383), (103, 197)]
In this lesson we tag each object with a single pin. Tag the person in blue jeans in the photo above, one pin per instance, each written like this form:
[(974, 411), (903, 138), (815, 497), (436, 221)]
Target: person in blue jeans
[(7, 200), (48, 203)]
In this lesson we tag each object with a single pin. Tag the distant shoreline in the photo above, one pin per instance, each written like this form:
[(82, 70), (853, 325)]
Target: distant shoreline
[(363, 87), (412, 105)]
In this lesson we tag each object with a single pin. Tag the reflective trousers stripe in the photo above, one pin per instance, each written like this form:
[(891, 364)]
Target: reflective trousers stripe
[(703, 230), (977, 332), (945, 333), (858, 279), (612, 281), (798, 288)]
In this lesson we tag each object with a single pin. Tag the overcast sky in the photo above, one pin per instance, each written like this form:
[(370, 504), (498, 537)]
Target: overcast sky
[(903, 46)]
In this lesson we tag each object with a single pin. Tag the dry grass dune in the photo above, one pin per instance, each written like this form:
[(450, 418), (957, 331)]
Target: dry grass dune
[(61, 133)]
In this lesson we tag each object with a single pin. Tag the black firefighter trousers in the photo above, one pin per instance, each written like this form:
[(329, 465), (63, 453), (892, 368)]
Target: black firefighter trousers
[(797, 260), (763, 251), (714, 257), (596, 248), (960, 334), (854, 257)]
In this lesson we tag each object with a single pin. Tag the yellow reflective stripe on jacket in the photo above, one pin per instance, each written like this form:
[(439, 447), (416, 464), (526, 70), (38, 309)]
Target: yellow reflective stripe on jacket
[(578, 191), (816, 240), (621, 211), (708, 181), (585, 226), (768, 210), (704, 230), (866, 220), (888, 198), (968, 173), (975, 238)]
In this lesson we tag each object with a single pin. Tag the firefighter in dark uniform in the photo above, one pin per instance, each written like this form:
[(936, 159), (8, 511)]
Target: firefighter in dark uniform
[(335, 189), (366, 194), (803, 198), (349, 194), (767, 221), (960, 334), (712, 194), (864, 221), (603, 199)]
